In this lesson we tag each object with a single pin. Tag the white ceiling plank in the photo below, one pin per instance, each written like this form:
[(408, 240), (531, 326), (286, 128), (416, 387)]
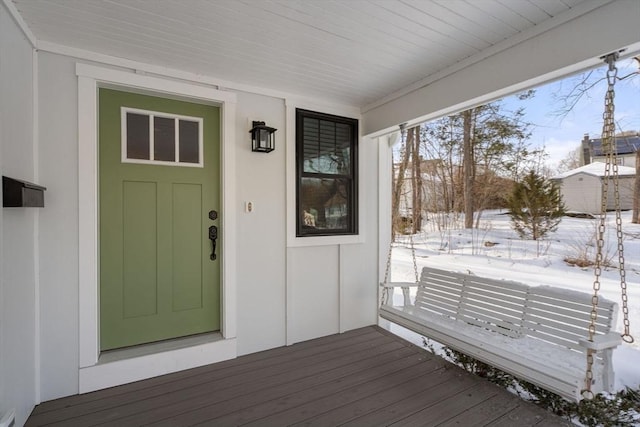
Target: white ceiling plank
[(444, 22), (394, 25), (474, 10), (527, 9), (552, 7), (346, 22), (355, 52), (512, 16), (458, 21), (125, 34)]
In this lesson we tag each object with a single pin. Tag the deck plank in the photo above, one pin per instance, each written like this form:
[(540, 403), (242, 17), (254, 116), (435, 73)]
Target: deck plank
[(341, 407), (397, 411), (213, 386), (526, 415), (446, 409), (191, 385), (248, 360), (482, 414), (363, 377), (257, 405)]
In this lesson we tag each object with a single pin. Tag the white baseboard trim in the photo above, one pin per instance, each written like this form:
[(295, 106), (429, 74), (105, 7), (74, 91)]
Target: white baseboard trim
[(112, 370)]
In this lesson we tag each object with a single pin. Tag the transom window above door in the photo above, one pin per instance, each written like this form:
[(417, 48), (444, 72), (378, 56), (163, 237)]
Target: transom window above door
[(160, 138)]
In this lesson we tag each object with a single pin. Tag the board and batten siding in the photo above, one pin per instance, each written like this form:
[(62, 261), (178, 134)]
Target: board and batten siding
[(19, 359), (284, 294)]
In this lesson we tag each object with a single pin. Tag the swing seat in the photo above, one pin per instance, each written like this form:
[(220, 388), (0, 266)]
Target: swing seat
[(534, 333)]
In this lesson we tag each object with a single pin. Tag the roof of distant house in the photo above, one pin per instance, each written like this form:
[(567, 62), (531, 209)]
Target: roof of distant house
[(624, 145), (596, 169)]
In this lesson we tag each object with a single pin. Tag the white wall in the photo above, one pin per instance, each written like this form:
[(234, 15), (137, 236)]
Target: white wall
[(581, 192), (340, 296), (261, 233), (18, 225), (58, 151)]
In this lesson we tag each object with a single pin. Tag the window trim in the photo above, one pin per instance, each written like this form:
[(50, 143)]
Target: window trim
[(353, 178)]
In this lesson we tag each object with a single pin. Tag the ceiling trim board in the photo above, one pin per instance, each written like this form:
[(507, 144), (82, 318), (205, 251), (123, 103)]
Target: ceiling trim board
[(575, 12)]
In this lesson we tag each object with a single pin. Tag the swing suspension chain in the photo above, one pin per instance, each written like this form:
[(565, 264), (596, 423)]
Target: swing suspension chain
[(385, 293), (387, 271), (612, 163), (413, 256), (610, 171)]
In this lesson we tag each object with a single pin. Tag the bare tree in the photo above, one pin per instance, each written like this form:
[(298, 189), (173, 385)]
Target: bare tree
[(468, 167), (398, 190), (581, 88), (407, 187), (416, 182), (571, 161)]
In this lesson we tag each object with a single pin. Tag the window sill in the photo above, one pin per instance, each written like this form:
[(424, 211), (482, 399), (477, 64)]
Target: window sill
[(294, 242)]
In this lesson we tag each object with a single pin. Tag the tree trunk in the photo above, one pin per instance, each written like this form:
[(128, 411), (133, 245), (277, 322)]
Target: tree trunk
[(416, 183), (399, 188), (636, 192), (467, 169)]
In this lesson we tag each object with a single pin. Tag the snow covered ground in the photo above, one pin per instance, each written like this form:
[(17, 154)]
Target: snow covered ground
[(495, 250)]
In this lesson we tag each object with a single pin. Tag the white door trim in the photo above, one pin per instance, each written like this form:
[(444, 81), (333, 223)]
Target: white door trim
[(93, 373)]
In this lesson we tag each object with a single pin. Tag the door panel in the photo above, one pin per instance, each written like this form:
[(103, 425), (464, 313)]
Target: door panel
[(156, 279), (187, 257), (139, 260)]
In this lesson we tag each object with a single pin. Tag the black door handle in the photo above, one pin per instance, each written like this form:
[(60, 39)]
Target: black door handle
[(213, 235)]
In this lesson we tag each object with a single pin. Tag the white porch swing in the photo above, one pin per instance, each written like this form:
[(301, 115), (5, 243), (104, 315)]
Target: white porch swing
[(540, 334)]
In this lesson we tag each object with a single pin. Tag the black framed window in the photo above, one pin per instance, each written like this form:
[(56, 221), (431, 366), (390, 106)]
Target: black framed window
[(326, 166)]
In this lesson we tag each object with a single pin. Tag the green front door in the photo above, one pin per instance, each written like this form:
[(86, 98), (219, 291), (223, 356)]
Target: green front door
[(159, 179)]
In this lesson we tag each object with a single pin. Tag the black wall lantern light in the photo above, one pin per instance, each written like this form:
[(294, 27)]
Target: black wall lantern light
[(262, 137)]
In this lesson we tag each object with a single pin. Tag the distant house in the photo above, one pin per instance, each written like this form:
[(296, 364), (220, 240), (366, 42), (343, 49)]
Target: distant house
[(581, 188), (626, 148)]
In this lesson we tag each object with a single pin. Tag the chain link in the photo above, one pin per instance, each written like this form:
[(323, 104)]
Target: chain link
[(386, 292), (413, 256), (610, 173)]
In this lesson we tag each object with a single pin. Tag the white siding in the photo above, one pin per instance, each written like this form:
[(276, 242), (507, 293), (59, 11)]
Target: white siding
[(626, 185), (313, 281), (261, 233), (18, 279), (333, 287), (59, 226), (581, 193)]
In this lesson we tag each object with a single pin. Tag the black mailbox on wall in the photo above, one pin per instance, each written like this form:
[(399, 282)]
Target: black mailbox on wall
[(17, 194)]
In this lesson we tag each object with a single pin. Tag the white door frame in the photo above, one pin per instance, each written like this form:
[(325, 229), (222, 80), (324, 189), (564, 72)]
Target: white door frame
[(94, 373)]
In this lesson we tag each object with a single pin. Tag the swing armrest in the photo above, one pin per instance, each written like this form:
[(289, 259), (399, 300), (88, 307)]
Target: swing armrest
[(399, 285), (602, 342)]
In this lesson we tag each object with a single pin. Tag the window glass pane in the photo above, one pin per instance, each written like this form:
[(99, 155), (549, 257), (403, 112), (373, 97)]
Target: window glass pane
[(325, 204), (137, 136), (326, 147), (164, 139), (189, 142)]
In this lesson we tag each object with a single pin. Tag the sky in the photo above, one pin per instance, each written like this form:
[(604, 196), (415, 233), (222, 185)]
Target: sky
[(562, 135)]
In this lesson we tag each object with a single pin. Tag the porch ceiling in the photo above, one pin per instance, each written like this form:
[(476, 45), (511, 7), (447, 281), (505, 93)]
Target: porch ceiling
[(354, 52)]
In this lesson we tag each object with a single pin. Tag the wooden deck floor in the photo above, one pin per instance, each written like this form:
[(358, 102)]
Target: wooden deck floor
[(366, 377)]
